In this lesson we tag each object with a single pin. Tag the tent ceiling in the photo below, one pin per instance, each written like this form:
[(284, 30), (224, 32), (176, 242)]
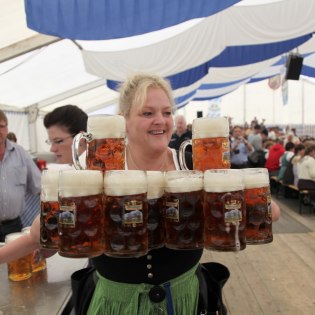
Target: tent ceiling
[(32, 73)]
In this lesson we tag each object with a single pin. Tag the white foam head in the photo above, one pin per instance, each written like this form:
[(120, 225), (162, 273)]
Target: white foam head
[(74, 183), (255, 178), (183, 181), (156, 183), (125, 183), (208, 127), (223, 180), (49, 185), (107, 126)]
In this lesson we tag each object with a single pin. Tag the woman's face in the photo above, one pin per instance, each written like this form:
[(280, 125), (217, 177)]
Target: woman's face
[(150, 128), (61, 143)]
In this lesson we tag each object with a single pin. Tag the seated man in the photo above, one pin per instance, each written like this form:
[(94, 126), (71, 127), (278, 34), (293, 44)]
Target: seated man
[(240, 148)]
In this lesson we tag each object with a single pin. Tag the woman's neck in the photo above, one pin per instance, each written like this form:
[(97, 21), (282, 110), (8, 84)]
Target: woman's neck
[(161, 161)]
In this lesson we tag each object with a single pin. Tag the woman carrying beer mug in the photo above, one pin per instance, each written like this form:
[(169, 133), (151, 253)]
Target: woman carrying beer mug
[(163, 281)]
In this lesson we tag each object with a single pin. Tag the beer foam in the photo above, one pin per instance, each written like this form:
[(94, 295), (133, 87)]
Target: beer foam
[(50, 178), (255, 180), (210, 127), (183, 181), (156, 183), (223, 181), (76, 183), (125, 183), (49, 194), (107, 126)]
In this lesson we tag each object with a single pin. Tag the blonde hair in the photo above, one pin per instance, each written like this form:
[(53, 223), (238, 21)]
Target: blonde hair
[(133, 92)]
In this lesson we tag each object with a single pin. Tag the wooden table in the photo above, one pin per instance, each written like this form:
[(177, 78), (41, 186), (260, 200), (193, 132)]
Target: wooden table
[(46, 292)]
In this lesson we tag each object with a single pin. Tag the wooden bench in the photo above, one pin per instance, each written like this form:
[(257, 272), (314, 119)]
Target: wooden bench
[(301, 193), (279, 187)]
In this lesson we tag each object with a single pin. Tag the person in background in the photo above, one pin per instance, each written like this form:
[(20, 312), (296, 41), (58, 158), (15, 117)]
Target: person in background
[(240, 148), (62, 124), (12, 137), (32, 202), (306, 171), (291, 174), (255, 138), (181, 133), (274, 155), (286, 158), (18, 175)]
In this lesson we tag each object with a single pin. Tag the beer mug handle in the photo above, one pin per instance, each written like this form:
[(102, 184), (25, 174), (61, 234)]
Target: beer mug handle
[(181, 152), (75, 148)]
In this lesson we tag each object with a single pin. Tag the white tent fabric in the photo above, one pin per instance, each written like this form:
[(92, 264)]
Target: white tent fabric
[(41, 79), (186, 45)]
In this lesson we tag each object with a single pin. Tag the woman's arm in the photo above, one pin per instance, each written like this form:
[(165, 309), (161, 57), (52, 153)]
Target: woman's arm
[(275, 211), (22, 246)]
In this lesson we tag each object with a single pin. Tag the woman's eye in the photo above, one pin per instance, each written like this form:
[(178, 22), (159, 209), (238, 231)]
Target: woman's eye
[(168, 114), (146, 114)]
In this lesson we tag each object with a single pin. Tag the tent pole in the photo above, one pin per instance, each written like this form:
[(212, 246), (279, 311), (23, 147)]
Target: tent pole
[(32, 117), (303, 104), (244, 103)]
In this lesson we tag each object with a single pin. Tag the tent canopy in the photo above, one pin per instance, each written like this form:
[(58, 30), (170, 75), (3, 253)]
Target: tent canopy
[(76, 51)]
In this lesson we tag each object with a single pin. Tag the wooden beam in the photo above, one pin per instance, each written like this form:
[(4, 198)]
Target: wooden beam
[(26, 45)]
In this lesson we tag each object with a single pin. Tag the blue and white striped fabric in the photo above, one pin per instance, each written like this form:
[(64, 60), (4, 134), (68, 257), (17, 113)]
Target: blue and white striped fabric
[(31, 209), (109, 19)]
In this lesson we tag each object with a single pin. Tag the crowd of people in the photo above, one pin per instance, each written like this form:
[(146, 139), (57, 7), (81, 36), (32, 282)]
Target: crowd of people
[(287, 156)]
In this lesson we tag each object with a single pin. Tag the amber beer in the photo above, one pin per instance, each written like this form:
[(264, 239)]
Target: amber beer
[(156, 182), (210, 144), (258, 206), (49, 211), (183, 213), (21, 268), (81, 218), (38, 262), (224, 210), (105, 143), (126, 213)]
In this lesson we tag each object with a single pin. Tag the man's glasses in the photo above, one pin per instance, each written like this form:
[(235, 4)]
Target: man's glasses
[(57, 141)]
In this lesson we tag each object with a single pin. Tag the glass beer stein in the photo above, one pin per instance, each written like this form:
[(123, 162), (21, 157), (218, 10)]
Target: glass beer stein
[(19, 269), (105, 143), (81, 217), (224, 210), (126, 213), (210, 144), (258, 206), (49, 209), (38, 262), (156, 183), (183, 213)]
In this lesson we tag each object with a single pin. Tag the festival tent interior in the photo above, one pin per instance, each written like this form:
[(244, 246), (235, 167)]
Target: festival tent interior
[(230, 54)]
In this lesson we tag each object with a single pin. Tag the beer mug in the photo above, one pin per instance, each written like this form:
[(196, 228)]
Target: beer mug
[(49, 209), (210, 144), (38, 262), (183, 213), (81, 217), (258, 206), (19, 269), (126, 213), (224, 210), (156, 183), (105, 143)]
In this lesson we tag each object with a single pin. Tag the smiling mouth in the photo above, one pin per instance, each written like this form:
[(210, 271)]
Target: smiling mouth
[(157, 132)]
